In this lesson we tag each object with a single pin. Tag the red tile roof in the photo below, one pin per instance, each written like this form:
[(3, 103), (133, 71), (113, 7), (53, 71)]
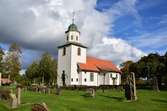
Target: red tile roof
[(97, 65), (6, 81)]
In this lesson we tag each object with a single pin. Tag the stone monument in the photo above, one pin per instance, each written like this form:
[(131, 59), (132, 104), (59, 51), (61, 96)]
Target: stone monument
[(18, 94), (13, 100), (130, 87)]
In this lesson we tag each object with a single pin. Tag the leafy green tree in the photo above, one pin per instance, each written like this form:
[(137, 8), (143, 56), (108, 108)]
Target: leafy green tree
[(12, 63), (125, 70), (32, 72), (47, 68), (44, 71)]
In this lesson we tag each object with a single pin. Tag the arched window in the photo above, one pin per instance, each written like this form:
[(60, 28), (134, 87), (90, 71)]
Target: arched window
[(79, 51), (85, 79), (67, 37), (64, 51), (71, 37), (77, 38)]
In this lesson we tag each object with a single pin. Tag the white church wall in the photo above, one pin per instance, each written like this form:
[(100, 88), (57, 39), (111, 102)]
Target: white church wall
[(63, 64), (100, 79), (88, 82), (75, 59), (117, 80), (108, 79)]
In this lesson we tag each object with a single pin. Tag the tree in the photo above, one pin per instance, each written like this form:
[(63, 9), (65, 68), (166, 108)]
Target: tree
[(152, 67), (32, 72), (125, 70), (44, 70), (125, 66), (1, 59), (47, 69), (12, 62)]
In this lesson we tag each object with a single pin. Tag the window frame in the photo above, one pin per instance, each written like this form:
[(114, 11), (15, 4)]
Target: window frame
[(91, 77)]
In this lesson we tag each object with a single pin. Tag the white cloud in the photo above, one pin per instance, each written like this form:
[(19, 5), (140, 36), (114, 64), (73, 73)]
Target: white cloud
[(40, 25), (116, 50), (151, 40)]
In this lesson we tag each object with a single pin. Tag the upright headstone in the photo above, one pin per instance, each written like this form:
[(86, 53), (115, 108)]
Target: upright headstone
[(134, 86), (90, 92), (18, 95), (0, 78), (93, 92), (130, 87), (13, 100), (58, 90)]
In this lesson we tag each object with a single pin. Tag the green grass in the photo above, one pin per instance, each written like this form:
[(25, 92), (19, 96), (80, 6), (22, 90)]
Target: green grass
[(111, 100)]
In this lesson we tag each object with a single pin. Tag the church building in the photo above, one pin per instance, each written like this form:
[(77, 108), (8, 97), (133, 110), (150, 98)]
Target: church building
[(76, 68)]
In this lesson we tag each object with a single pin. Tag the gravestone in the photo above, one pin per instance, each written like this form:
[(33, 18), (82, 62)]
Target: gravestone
[(40, 107), (91, 92), (13, 100), (58, 90), (18, 94), (130, 87)]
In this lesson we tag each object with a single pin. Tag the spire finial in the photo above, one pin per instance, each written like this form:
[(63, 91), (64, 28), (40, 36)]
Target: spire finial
[(73, 15)]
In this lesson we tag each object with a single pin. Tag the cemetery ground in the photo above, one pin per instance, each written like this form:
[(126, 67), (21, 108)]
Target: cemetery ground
[(110, 100)]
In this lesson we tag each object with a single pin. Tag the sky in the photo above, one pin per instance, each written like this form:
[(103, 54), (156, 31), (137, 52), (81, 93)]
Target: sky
[(117, 30)]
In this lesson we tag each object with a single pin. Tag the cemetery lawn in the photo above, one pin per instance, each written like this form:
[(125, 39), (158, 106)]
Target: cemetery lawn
[(110, 100)]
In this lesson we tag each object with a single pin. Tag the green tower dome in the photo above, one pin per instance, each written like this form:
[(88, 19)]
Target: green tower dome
[(72, 27)]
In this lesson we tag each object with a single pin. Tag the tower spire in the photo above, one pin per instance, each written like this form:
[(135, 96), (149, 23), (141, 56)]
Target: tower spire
[(73, 17)]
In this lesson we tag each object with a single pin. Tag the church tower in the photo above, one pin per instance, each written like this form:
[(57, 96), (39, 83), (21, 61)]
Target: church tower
[(69, 56)]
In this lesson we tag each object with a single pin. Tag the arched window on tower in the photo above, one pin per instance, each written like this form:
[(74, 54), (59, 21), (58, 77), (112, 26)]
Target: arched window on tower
[(67, 37), (77, 38), (64, 51), (71, 37), (79, 51)]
